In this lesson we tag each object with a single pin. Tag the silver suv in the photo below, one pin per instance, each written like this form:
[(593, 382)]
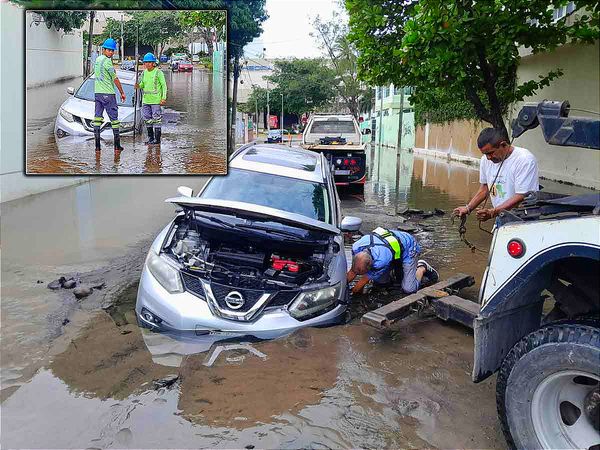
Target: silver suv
[(258, 250)]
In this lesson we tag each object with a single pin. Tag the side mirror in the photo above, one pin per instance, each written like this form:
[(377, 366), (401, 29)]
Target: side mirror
[(70, 90), (350, 223), (367, 131), (185, 191)]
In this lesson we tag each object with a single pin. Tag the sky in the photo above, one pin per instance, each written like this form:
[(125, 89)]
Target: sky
[(286, 31)]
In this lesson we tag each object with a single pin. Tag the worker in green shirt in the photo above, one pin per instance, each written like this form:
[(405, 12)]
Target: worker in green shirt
[(105, 80), (155, 95)]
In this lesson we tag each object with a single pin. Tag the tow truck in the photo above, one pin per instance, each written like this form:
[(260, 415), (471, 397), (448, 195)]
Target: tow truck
[(544, 253), (339, 138)]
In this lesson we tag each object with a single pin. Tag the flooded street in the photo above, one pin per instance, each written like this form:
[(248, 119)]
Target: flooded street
[(105, 383), (193, 140)]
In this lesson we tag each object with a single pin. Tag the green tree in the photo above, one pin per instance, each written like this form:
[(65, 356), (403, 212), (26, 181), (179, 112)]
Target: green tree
[(63, 20), (157, 28), (307, 85), (332, 36), (208, 23), (467, 48)]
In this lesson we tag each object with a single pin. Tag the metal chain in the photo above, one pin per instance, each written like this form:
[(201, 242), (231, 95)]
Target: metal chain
[(462, 231)]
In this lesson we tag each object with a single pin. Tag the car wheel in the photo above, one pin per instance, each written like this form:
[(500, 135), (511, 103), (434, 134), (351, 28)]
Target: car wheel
[(548, 389)]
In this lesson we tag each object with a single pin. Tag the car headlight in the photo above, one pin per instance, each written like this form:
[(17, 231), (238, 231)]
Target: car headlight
[(165, 273), (66, 115), (308, 303)]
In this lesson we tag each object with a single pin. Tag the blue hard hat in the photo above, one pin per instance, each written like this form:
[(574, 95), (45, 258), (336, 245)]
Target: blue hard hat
[(110, 44), (149, 57)]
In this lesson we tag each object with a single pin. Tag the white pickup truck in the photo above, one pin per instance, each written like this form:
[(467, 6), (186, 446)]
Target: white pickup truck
[(338, 137)]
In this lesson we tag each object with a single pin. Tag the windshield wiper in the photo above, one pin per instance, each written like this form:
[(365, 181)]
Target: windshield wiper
[(214, 219)]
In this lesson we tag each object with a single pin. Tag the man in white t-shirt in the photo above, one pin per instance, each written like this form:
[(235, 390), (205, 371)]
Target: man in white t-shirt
[(506, 172)]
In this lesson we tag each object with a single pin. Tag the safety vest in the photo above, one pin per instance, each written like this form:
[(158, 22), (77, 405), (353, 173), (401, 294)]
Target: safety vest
[(390, 240)]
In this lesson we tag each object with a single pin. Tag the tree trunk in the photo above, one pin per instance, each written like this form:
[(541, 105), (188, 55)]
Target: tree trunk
[(236, 74), (88, 61), (207, 35)]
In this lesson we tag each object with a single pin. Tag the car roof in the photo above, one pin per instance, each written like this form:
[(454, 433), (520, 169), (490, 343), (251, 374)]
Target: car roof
[(124, 76), (292, 162)]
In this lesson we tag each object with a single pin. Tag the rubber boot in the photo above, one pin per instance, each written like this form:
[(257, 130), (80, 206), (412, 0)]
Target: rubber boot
[(157, 133), (150, 140), (117, 135), (97, 138)]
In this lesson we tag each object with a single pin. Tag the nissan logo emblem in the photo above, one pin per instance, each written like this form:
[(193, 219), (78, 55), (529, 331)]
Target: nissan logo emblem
[(234, 300)]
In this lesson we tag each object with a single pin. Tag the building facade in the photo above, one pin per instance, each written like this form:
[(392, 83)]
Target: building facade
[(383, 120)]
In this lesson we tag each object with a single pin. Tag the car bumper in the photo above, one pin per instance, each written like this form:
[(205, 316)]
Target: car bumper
[(64, 128), (186, 312)]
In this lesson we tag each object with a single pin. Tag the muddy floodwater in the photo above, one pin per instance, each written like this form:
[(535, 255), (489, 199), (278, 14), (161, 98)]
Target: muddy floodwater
[(194, 136), (82, 374)]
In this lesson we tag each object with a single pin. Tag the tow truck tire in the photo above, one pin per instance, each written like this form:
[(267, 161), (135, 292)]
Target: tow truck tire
[(547, 389)]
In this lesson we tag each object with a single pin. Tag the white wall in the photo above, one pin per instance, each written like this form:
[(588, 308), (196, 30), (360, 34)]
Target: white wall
[(581, 87), (51, 55), (13, 184)]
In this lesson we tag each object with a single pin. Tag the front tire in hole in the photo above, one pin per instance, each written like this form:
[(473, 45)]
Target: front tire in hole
[(545, 388)]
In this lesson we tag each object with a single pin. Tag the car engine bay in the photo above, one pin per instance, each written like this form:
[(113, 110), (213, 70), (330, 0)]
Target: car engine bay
[(238, 259)]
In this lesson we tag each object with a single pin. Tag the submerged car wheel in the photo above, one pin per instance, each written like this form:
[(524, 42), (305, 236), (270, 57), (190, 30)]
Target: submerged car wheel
[(548, 389)]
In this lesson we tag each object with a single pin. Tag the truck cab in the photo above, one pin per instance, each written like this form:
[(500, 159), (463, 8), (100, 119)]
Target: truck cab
[(338, 137)]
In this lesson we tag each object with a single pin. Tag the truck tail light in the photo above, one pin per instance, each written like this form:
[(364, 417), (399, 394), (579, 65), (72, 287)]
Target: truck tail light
[(352, 162), (516, 248), (346, 162)]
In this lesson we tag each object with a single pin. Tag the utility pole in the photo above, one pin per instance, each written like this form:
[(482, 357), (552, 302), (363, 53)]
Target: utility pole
[(256, 118), (88, 60), (122, 42), (399, 147), (268, 110), (281, 125), (380, 130), (135, 94)]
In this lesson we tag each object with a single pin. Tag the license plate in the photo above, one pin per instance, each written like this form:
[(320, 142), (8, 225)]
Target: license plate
[(342, 172)]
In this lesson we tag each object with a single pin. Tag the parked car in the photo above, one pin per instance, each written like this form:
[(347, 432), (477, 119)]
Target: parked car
[(275, 136), (76, 114), (185, 66), (128, 65), (258, 250)]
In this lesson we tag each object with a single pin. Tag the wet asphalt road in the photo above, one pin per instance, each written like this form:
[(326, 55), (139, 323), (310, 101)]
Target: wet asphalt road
[(344, 386), (193, 141)]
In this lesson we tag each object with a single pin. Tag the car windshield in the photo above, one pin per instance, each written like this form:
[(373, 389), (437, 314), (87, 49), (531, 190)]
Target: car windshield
[(287, 194), (333, 127), (86, 92)]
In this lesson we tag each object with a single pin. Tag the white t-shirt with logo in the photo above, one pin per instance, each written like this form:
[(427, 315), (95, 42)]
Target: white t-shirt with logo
[(518, 175)]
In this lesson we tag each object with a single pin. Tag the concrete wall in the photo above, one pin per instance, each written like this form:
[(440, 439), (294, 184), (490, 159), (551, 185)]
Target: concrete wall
[(51, 55), (13, 184), (456, 139), (579, 85)]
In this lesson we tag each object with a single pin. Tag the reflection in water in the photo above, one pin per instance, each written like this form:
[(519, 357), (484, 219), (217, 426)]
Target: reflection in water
[(193, 141)]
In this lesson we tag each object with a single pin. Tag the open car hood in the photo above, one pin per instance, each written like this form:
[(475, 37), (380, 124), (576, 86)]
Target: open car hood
[(251, 211)]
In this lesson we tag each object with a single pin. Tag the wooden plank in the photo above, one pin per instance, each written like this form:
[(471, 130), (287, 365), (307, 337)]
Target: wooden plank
[(398, 309)]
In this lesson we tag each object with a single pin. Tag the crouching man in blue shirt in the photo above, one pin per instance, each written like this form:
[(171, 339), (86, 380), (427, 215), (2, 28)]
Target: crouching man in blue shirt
[(388, 257)]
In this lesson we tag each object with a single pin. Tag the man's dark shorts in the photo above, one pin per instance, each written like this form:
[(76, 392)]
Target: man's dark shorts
[(107, 102)]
